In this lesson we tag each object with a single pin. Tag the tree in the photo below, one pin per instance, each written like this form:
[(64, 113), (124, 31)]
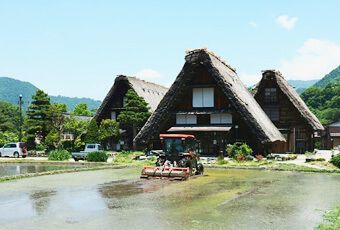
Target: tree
[(9, 117), (78, 129), (53, 139), (38, 118), (108, 131), (82, 110), (325, 103), (92, 132), (135, 114), (7, 136)]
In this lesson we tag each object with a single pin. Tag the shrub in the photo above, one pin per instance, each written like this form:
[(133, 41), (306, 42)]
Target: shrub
[(59, 155), (97, 157), (336, 160), (40, 147), (239, 151), (317, 145), (221, 161), (249, 158)]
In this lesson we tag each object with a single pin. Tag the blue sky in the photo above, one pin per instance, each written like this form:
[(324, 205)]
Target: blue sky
[(77, 47)]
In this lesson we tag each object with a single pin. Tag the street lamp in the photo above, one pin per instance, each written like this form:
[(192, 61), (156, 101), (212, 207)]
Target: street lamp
[(20, 111)]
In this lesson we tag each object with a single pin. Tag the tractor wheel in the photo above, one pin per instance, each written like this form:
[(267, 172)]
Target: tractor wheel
[(186, 162), (160, 161), (199, 169)]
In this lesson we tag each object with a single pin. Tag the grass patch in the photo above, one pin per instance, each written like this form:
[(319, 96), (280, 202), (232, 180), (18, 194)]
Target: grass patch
[(272, 165), (331, 220), (302, 168), (129, 157), (325, 164), (28, 175)]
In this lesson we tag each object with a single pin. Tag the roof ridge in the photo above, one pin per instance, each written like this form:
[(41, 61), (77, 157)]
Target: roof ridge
[(138, 79), (190, 52)]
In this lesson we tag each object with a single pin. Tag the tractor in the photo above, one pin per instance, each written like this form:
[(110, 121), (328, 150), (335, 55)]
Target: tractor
[(178, 160)]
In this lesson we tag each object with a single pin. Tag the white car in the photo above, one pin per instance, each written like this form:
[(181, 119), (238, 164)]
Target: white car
[(14, 150)]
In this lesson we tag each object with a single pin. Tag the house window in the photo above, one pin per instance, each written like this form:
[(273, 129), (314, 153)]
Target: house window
[(221, 118), (202, 97), (113, 115), (272, 113), (270, 95), (186, 119)]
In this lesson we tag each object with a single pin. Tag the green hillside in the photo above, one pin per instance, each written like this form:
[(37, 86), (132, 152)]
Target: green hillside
[(10, 89), (323, 98), (332, 77)]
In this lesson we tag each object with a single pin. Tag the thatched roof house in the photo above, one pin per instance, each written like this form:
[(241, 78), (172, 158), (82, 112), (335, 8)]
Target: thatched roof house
[(287, 111), (114, 102), (291, 94), (151, 92), (205, 65)]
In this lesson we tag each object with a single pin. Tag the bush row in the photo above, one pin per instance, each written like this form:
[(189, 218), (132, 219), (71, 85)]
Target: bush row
[(59, 155), (336, 160)]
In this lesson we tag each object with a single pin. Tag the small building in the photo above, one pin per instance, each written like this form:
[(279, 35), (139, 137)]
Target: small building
[(288, 112), (332, 137), (209, 101), (114, 102)]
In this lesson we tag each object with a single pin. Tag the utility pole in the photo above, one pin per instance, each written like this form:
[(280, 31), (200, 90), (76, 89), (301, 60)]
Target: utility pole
[(20, 111)]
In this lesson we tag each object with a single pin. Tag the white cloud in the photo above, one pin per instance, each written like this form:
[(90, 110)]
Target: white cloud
[(313, 60), (286, 22), (147, 74), (252, 24)]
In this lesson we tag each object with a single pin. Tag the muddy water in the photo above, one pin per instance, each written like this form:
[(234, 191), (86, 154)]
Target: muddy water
[(117, 199), (9, 169)]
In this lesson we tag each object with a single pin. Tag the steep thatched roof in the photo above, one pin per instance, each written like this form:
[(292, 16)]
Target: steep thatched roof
[(225, 77), (151, 92), (292, 95)]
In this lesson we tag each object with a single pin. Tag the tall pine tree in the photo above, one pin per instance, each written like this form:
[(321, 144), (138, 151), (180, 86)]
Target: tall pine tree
[(135, 114), (38, 120), (92, 133)]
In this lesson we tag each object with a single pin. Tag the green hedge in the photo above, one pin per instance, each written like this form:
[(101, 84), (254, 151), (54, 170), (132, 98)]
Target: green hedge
[(239, 151), (59, 155), (97, 157), (336, 160)]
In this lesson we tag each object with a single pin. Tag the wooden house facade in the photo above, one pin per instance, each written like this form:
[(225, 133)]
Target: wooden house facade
[(209, 101), (288, 112), (332, 135), (114, 101)]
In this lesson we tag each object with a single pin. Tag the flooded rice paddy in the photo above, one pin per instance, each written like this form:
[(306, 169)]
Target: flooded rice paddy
[(118, 199), (11, 169)]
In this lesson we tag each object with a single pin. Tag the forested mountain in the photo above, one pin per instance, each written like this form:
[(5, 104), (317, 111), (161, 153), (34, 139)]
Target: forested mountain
[(10, 89), (332, 77), (301, 85), (323, 98)]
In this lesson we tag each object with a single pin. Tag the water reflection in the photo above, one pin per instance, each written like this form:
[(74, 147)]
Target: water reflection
[(41, 200), (23, 168)]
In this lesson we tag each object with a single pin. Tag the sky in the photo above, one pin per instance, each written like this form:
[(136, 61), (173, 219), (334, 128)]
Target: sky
[(77, 47)]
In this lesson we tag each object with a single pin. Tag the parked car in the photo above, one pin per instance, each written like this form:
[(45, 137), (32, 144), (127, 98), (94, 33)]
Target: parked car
[(88, 148), (14, 150)]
